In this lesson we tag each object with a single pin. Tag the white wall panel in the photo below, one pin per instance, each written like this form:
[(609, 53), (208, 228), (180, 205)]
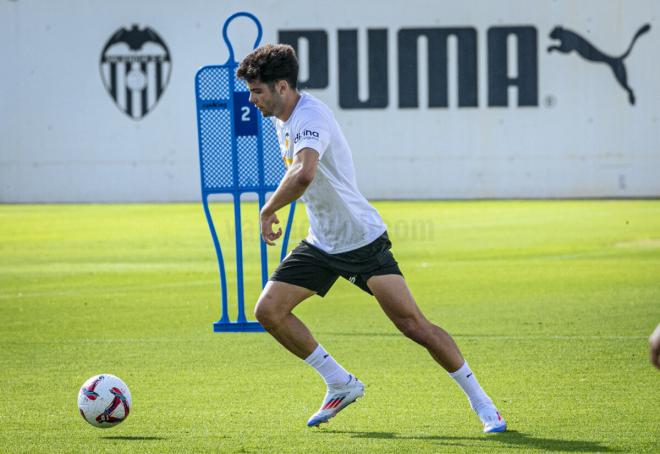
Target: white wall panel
[(63, 139)]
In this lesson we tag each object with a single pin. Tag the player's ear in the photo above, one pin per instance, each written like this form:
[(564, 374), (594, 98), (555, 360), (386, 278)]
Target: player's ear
[(281, 86)]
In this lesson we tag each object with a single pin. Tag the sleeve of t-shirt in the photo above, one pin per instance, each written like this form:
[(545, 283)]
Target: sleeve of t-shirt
[(311, 131)]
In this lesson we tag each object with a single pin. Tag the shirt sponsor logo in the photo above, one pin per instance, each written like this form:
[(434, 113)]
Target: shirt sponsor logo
[(305, 134)]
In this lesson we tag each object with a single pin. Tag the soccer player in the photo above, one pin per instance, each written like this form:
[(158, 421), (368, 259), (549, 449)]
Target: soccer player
[(654, 347), (346, 238)]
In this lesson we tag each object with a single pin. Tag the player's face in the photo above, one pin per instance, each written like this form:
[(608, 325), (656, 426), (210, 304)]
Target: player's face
[(265, 97)]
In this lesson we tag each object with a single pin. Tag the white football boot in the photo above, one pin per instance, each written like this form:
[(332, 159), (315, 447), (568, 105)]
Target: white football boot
[(491, 418), (336, 399)]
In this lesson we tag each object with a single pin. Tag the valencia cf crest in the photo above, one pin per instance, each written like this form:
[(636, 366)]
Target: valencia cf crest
[(135, 68)]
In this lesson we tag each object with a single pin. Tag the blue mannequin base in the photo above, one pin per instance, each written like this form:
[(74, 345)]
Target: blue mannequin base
[(237, 327)]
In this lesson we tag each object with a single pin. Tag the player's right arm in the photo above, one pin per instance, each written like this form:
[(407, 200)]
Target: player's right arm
[(297, 178)]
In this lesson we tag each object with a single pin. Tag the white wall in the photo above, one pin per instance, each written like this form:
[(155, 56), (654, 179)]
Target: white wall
[(62, 138)]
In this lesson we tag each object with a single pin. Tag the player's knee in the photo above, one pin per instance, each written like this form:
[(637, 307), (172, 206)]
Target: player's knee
[(262, 312), (266, 311), (413, 329)]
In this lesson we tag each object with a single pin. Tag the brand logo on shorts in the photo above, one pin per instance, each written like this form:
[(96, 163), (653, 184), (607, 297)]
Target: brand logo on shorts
[(135, 68), (352, 279)]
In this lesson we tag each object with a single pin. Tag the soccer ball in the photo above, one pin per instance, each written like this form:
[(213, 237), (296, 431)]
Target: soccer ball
[(104, 401)]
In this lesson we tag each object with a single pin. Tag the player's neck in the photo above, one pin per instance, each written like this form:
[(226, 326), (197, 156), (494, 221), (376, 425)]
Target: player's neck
[(290, 102)]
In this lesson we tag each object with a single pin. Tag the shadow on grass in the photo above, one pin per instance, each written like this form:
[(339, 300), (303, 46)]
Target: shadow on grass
[(511, 439), (132, 438)]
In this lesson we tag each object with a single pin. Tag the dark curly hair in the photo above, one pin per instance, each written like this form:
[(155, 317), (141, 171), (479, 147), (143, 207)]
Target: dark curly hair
[(269, 63)]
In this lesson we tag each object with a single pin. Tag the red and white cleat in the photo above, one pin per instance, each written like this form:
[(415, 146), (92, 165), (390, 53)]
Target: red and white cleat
[(336, 399), (491, 418)]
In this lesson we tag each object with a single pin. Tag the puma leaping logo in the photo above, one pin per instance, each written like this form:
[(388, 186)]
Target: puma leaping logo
[(570, 41)]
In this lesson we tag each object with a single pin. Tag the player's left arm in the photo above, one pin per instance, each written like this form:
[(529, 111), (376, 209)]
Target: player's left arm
[(297, 178)]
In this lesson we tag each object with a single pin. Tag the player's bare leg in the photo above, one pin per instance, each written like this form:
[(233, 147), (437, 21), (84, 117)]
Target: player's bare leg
[(399, 305), (397, 302), (274, 312)]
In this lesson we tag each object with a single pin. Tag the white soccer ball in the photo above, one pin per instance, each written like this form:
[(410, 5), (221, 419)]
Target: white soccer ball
[(104, 401)]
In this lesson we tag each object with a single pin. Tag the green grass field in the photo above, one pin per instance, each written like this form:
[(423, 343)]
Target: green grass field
[(551, 302)]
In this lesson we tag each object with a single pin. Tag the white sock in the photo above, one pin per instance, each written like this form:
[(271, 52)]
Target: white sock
[(327, 367), (470, 386)]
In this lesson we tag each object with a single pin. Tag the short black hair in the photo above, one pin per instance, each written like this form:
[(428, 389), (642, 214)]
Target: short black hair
[(269, 63)]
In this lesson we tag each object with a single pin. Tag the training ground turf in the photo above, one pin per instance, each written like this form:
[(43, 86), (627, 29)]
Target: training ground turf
[(551, 303)]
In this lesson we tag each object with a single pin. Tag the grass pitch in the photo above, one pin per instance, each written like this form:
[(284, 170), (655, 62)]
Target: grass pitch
[(551, 303)]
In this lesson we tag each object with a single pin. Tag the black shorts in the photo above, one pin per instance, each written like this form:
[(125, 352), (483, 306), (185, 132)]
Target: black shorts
[(310, 267)]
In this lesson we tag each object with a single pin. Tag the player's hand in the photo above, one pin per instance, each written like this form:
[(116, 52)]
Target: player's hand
[(267, 220), (654, 347)]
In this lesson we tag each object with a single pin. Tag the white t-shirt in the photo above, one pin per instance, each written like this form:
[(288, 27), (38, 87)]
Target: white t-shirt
[(340, 218)]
